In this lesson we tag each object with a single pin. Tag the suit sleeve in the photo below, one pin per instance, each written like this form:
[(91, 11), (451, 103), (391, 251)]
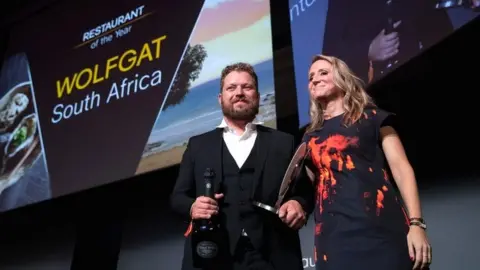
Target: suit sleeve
[(303, 191), (348, 37), (434, 24), (183, 194)]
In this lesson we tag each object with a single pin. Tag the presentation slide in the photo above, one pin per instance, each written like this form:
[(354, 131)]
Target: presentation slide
[(372, 37), (96, 91)]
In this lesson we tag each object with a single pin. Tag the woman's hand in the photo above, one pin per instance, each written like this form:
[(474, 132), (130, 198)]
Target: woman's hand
[(418, 247)]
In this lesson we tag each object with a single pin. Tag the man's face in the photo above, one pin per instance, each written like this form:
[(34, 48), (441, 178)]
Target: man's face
[(239, 99)]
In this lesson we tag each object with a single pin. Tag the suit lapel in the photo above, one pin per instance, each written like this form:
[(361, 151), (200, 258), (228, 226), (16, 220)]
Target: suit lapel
[(263, 146)]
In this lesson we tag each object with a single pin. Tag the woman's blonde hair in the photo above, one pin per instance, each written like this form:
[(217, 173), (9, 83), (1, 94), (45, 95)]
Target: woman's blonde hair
[(355, 97)]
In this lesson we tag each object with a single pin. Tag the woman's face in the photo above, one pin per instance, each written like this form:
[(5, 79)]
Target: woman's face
[(320, 80)]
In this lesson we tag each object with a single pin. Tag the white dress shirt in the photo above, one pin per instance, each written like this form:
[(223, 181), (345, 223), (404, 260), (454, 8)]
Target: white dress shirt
[(240, 146)]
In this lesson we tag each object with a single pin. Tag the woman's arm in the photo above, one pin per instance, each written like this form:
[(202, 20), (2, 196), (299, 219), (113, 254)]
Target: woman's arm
[(418, 247), (401, 169)]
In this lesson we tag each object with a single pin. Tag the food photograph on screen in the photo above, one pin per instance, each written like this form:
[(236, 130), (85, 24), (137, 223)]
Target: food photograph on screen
[(23, 172), (372, 37), (226, 32)]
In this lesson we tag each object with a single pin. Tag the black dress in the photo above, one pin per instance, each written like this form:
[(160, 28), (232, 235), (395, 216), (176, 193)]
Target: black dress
[(360, 221)]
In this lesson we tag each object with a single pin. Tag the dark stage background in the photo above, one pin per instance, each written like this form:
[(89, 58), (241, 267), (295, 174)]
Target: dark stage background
[(127, 225)]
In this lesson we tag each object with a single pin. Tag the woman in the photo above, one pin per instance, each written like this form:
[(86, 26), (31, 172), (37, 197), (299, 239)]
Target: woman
[(360, 221)]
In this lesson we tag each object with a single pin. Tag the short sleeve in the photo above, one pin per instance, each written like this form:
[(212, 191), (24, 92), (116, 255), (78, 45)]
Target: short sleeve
[(383, 118)]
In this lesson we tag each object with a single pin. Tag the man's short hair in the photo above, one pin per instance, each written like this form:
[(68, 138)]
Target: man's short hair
[(239, 67)]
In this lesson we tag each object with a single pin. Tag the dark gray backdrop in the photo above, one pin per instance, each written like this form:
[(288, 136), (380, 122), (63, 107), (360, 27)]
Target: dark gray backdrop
[(37, 247)]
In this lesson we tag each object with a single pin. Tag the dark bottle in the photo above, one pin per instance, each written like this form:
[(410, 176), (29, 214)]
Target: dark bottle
[(206, 234)]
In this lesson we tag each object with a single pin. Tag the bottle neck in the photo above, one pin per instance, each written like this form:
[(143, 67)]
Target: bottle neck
[(210, 194), (209, 189)]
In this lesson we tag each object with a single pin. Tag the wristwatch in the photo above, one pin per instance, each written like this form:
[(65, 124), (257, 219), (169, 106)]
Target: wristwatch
[(420, 222)]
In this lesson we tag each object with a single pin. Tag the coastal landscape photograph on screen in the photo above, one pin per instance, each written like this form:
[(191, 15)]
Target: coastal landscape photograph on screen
[(226, 32)]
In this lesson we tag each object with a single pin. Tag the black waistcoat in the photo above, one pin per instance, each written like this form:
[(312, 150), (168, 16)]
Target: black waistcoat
[(237, 209)]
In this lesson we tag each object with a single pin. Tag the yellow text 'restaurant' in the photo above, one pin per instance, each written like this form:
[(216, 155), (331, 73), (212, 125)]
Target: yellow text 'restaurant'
[(125, 62)]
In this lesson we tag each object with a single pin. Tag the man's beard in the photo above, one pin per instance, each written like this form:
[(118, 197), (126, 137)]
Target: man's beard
[(247, 113)]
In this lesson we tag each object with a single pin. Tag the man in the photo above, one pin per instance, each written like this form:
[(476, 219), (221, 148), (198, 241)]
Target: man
[(249, 161)]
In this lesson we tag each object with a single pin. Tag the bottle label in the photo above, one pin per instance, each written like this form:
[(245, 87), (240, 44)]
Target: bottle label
[(207, 249)]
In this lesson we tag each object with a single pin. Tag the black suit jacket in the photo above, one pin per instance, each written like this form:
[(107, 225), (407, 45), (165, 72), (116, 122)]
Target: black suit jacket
[(279, 244), (352, 25)]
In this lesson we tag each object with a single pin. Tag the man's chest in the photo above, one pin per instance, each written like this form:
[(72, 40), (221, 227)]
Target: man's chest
[(240, 147)]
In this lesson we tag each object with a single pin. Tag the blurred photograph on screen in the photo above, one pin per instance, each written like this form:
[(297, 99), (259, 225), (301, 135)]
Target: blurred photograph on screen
[(372, 37), (226, 32), (23, 172)]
